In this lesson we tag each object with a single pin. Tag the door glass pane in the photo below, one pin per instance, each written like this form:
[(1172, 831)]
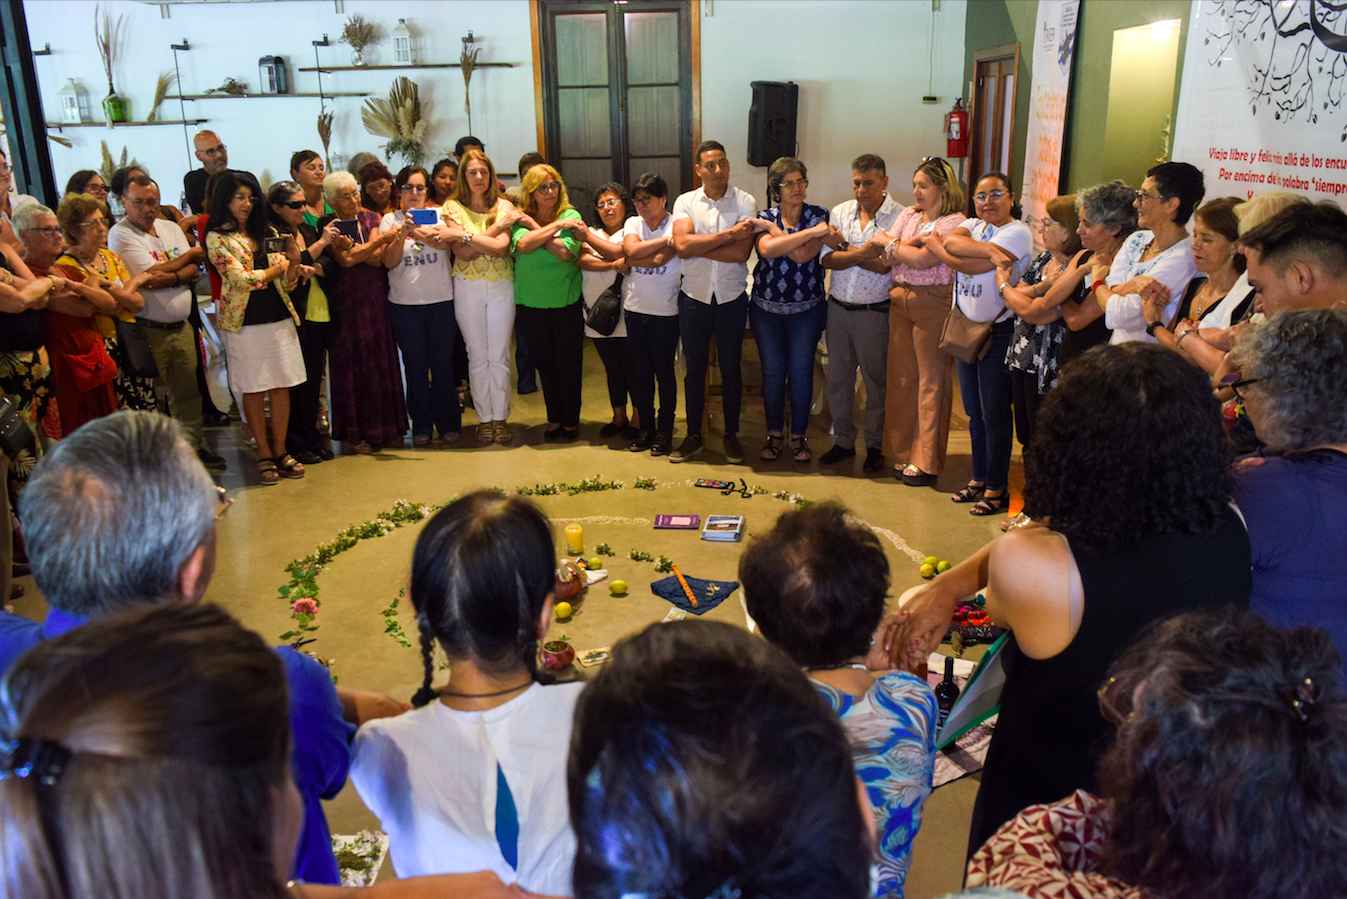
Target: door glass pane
[(667, 167), (652, 47), (988, 114), (585, 122), (652, 126), (582, 176), (1007, 122), (582, 49)]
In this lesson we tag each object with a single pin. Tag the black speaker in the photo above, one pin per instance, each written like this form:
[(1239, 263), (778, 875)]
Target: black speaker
[(771, 121)]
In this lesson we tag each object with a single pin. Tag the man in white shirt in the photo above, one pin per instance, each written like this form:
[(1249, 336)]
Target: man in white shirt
[(714, 238), (858, 309), (147, 242)]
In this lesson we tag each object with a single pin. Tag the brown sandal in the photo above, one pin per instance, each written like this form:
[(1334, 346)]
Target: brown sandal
[(266, 472), (799, 449), (287, 466)]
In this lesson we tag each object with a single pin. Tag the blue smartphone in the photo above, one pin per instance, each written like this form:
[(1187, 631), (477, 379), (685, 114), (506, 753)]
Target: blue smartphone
[(425, 216)]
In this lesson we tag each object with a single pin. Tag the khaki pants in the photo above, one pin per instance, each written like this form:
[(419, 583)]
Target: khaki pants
[(175, 354), (920, 390)]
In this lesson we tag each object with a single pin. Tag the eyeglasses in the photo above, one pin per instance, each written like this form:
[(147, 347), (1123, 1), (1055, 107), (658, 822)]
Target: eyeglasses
[(293, 204), (214, 151), (4, 168), (224, 502), (641, 201), (994, 195), (933, 159), (550, 187), (353, 195), (798, 182), (1142, 195), (142, 204), (1115, 709), (1049, 223), (413, 188), (1243, 382), (95, 223), (95, 188), (609, 204), (48, 232)]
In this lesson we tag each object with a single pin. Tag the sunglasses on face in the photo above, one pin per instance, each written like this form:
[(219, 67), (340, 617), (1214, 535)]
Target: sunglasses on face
[(293, 204)]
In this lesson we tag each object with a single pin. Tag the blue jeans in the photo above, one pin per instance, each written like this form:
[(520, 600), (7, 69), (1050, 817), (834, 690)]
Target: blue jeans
[(653, 341), (985, 386), (425, 336), (697, 323), (786, 345)]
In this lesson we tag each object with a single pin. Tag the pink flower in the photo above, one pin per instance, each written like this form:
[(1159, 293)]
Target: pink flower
[(305, 606)]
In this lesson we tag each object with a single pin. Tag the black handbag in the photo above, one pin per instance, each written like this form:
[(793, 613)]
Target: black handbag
[(15, 435), (607, 309), (133, 348)]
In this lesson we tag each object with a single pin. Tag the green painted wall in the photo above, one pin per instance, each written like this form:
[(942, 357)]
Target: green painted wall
[(992, 23)]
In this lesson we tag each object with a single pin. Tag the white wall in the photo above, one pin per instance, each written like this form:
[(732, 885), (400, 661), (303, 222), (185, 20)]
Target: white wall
[(862, 70), (228, 38), (862, 67)]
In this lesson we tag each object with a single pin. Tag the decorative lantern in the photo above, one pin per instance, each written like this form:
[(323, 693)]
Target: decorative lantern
[(271, 72), (74, 103), (402, 44)]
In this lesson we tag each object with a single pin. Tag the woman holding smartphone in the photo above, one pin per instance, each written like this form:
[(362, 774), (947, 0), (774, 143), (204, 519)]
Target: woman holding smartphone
[(421, 308)]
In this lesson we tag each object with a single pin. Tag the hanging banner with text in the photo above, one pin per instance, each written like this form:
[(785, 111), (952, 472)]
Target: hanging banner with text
[(1261, 107), (1054, 47)]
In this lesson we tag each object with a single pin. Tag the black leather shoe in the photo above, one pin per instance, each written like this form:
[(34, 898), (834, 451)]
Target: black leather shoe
[(304, 457), (644, 440), (210, 460), (663, 445), (874, 461), (837, 454), (325, 453), (612, 429)]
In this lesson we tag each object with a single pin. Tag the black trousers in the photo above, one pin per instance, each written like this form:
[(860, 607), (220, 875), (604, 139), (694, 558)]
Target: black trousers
[(302, 434), (557, 342)]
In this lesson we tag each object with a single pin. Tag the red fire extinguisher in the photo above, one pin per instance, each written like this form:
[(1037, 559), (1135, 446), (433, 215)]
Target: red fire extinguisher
[(956, 131)]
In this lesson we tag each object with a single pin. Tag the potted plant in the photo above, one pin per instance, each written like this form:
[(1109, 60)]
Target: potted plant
[(108, 34), (359, 32), (557, 655)]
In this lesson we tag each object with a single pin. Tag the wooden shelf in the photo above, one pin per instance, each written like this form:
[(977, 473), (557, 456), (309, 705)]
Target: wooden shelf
[(224, 96), (61, 125), (425, 65)]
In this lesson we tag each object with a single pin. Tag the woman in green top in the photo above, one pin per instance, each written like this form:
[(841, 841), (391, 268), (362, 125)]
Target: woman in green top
[(546, 243)]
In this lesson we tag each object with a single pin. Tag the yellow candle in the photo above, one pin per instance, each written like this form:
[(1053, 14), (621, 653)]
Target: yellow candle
[(575, 539)]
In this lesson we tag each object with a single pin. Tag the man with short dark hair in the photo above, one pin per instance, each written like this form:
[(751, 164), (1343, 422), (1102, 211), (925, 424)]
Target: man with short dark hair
[(120, 514), (214, 158), (147, 242), (858, 310), (713, 234), (1298, 258)]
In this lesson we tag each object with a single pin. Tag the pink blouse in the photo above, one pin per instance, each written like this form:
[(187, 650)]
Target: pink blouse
[(908, 225)]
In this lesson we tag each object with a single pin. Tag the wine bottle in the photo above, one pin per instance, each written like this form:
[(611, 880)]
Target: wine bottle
[(946, 692)]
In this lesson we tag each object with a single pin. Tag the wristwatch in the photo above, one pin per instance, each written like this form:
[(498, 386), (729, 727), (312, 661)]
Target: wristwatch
[(1152, 327)]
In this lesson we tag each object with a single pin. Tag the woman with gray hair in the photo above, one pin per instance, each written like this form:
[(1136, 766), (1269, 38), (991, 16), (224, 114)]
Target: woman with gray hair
[(1106, 217), (1293, 381), (368, 409)]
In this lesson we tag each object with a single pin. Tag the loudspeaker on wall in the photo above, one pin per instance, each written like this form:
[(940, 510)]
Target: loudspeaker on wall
[(771, 121)]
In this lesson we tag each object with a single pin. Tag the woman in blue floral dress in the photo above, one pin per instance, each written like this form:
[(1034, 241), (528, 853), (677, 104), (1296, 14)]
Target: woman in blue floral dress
[(815, 585)]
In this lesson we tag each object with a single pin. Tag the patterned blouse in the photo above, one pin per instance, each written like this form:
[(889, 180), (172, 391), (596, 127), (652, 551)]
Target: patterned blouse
[(909, 225), (782, 285), (892, 733), (484, 267), (1034, 348), (1051, 850), (116, 272), (232, 256)]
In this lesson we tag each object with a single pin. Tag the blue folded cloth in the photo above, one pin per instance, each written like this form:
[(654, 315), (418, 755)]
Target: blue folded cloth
[(709, 593)]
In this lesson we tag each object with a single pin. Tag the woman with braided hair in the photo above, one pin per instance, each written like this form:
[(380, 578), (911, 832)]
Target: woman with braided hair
[(476, 778)]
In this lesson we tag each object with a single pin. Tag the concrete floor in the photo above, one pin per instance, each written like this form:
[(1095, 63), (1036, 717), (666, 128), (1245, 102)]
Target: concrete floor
[(270, 526)]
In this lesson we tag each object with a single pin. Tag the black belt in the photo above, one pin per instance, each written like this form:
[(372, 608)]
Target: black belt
[(161, 326), (882, 306)]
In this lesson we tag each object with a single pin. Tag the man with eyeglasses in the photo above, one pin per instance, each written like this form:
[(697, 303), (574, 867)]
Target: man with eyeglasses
[(214, 156), (149, 243)]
